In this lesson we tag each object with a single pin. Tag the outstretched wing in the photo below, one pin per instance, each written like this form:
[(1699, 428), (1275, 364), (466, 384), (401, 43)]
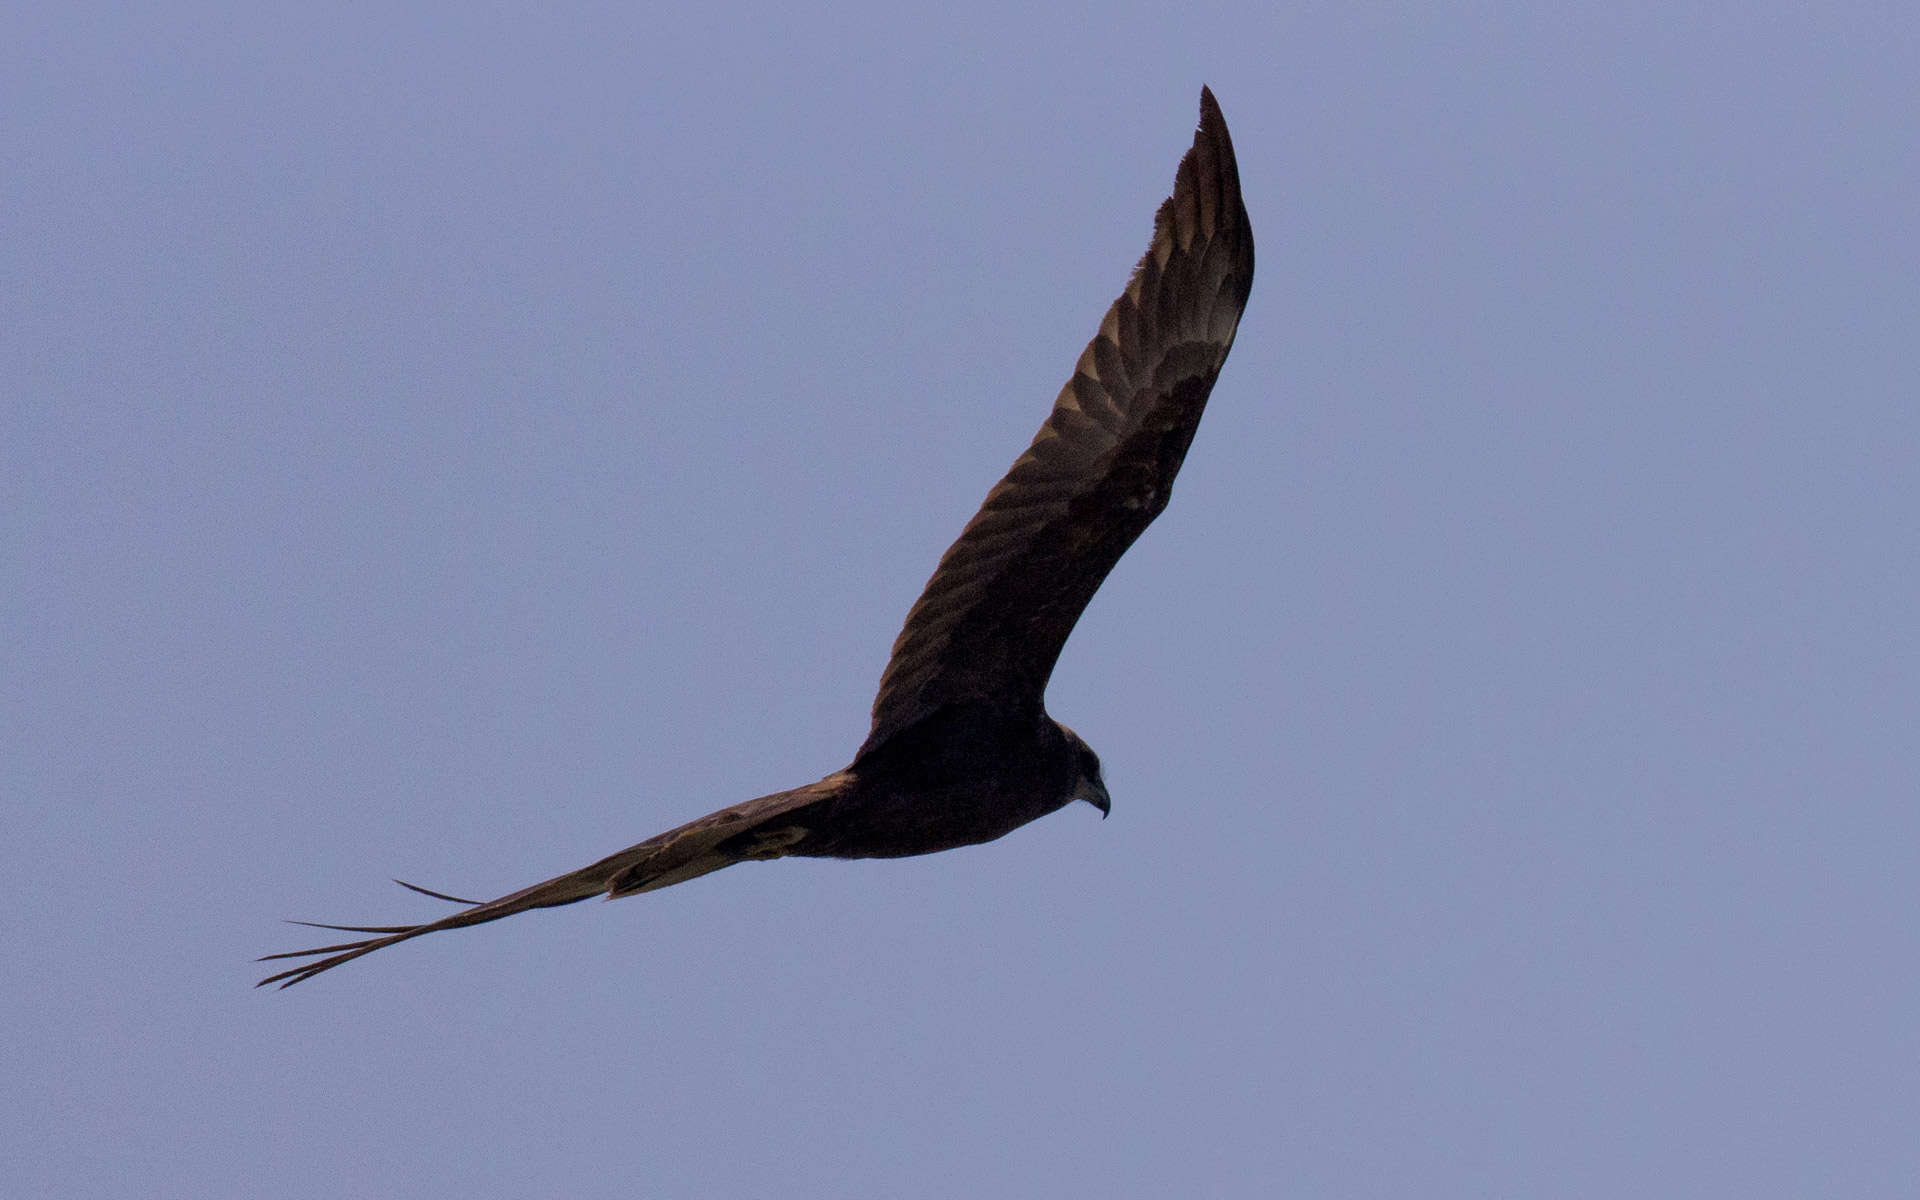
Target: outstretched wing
[(758, 829), (993, 618)]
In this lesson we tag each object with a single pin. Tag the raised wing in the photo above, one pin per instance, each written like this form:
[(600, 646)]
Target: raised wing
[(992, 620)]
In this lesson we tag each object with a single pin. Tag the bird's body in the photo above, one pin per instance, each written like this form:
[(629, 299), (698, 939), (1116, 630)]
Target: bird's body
[(965, 775), (961, 749)]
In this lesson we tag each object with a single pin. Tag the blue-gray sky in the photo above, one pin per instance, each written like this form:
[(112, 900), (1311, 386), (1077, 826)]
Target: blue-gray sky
[(455, 443)]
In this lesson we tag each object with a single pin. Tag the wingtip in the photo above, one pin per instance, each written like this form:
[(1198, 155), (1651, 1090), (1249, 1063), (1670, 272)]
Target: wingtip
[(1213, 123), (1210, 116)]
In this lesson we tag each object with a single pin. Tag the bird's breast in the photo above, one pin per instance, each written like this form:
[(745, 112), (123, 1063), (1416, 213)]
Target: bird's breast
[(880, 820)]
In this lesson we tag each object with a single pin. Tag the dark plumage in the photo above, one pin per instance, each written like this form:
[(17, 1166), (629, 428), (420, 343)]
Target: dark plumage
[(962, 749)]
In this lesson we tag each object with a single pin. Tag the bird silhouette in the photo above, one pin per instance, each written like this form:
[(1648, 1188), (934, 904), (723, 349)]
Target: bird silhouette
[(962, 750)]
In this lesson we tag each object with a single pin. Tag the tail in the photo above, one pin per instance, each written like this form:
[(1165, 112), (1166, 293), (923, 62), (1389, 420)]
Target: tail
[(759, 829)]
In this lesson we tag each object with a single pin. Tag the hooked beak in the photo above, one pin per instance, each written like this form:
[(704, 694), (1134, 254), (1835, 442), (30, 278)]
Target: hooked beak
[(1094, 792)]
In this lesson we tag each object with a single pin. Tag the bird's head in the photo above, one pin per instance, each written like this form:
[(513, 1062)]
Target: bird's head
[(1087, 783)]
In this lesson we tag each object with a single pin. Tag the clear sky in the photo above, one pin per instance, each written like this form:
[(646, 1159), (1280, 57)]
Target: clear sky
[(449, 442)]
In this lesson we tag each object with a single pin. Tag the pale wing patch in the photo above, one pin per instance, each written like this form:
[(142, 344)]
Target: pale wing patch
[(772, 843)]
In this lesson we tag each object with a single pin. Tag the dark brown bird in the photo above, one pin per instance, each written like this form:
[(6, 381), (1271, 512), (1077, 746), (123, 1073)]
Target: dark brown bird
[(962, 749)]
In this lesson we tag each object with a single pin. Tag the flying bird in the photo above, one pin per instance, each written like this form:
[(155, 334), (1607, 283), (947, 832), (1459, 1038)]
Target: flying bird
[(962, 750)]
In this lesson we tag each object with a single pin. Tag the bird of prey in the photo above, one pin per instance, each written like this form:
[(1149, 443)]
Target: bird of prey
[(962, 749)]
